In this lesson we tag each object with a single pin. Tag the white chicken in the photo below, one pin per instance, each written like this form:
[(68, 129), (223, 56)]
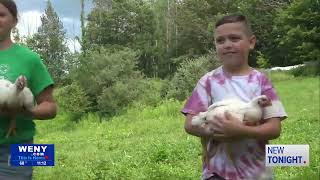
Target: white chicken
[(15, 96), (250, 113)]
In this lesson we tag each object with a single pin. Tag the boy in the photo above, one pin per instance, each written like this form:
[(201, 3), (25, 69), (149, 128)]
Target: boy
[(233, 41)]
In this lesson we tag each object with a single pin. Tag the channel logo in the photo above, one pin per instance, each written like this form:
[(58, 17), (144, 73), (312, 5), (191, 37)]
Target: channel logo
[(32, 155), (287, 155)]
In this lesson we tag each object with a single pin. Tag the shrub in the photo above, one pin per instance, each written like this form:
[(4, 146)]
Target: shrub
[(310, 69), (117, 96), (187, 75), (72, 99), (262, 61), (133, 92), (109, 78), (150, 91)]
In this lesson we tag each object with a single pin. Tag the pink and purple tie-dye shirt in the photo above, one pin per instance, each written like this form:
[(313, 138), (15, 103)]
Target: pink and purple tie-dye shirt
[(248, 154)]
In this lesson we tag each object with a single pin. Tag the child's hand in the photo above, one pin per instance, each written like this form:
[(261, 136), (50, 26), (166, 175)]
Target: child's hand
[(6, 111), (250, 123), (229, 126), (224, 138)]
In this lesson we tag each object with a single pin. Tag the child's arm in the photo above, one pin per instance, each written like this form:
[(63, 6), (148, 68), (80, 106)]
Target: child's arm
[(271, 129), (231, 127), (46, 108), (195, 130)]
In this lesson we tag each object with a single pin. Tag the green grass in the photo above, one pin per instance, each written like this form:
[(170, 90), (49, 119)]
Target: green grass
[(150, 142), (301, 100)]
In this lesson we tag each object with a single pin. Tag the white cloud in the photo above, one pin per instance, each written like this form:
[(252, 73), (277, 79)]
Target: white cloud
[(67, 20), (29, 22), (73, 45), (72, 26)]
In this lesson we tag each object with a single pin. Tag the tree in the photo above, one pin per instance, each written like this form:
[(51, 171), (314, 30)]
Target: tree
[(16, 35), (297, 33), (118, 23), (122, 23), (109, 78), (187, 75), (49, 43), (82, 17), (261, 14)]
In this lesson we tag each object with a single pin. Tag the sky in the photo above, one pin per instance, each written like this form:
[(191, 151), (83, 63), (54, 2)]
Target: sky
[(68, 11)]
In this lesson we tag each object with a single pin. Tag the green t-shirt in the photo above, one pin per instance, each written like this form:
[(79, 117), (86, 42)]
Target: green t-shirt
[(15, 61)]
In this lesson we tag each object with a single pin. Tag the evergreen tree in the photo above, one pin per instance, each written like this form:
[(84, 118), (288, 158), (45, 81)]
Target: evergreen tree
[(49, 42)]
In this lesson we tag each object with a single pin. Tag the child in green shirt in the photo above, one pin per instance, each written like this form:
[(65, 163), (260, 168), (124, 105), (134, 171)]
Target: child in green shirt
[(17, 60)]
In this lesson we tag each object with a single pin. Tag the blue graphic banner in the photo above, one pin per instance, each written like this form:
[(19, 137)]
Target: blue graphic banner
[(32, 154)]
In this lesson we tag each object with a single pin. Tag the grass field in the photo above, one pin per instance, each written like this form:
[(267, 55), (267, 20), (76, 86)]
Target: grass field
[(150, 142)]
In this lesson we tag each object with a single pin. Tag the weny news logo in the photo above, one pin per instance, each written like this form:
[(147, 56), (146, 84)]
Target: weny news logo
[(32, 154)]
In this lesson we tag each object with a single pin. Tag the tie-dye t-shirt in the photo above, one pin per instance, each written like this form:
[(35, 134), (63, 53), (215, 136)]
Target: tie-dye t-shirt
[(248, 154)]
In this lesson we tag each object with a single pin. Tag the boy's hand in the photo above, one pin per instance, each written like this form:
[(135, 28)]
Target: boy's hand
[(224, 138), (250, 123), (229, 126)]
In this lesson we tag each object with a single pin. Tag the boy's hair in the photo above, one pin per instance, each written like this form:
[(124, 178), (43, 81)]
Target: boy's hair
[(11, 6), (234, 19)]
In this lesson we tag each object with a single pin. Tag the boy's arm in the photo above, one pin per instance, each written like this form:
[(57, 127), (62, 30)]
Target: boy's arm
[(46, 108), (271, 129), (195, 130), (232, 127)]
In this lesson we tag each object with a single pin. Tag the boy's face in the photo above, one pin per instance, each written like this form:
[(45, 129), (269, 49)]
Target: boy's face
[(233, 43), (7, 22)]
